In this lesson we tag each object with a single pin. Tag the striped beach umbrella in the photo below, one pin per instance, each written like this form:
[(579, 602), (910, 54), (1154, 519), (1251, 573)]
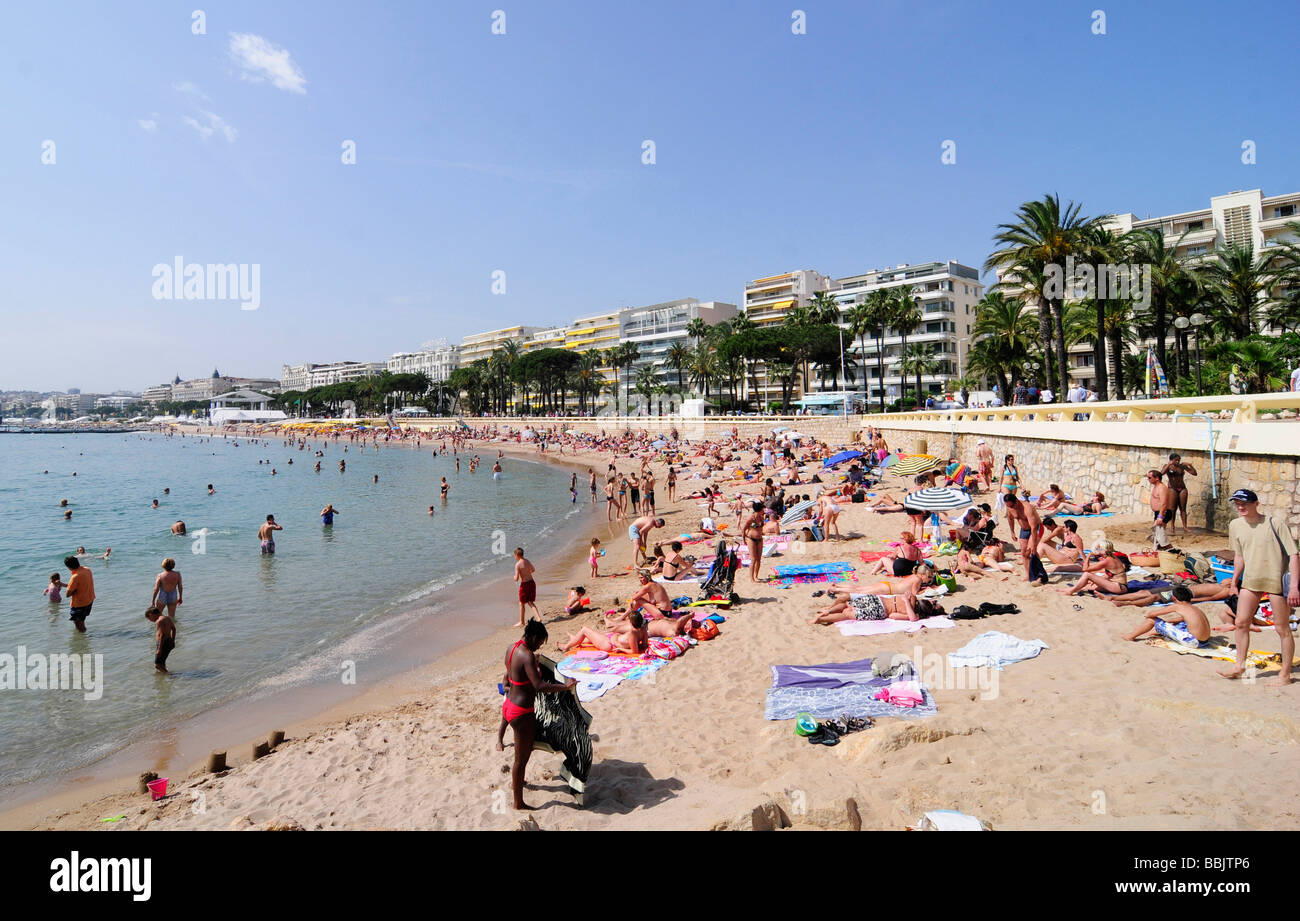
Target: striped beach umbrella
[(937, 499), (795, 512), (917, 463)]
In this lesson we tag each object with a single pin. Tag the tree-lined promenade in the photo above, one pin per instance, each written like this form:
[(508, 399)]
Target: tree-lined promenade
[(1243, 308)]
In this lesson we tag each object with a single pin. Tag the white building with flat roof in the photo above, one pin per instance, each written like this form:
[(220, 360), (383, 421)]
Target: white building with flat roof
[(435, 363)]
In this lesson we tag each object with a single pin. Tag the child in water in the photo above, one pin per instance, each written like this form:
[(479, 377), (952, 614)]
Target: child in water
[(54, 591)]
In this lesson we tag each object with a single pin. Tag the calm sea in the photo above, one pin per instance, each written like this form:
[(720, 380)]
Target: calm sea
[(248, 622)]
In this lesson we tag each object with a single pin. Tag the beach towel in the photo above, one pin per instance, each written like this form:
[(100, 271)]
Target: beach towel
[(902, 694), (829, 675), (853, 699), (877, 627), (1089, 515), (870, 556), (591, 687), (995, 650), (688, 580), (563, 726), (628, 667), (1222, 649), (798, 569)]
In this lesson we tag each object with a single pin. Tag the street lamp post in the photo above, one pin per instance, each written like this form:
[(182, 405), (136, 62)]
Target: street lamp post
[(1195, 322), (844, 382)]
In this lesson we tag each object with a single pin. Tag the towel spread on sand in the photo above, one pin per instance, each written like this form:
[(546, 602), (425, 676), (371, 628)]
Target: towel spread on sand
[(877, 627), (833, 689), (995, 650), (1223, 649), (630, 667), (853, 699), (1089, 515), (590, 686), (801, 569)]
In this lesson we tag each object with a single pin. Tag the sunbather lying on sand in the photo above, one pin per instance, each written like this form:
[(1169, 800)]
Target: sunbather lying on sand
[(1201, 591), (629, 637), (922, 578), (866, 606), (883, 502), (976, 564)]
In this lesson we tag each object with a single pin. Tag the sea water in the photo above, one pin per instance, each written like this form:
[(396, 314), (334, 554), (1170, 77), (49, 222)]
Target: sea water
[(249, 622)]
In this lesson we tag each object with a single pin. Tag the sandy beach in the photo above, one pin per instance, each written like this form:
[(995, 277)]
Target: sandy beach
[(1094, 733)]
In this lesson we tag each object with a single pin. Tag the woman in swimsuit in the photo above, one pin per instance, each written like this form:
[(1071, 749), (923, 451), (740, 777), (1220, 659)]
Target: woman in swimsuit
[(866, 606), (1106, 574), (1174, 472), (523, 682), (753, 534), (906, 585), (907, 556), (830, 513), (1010, 475), (167, 588), (1070, 550), (672, 483)]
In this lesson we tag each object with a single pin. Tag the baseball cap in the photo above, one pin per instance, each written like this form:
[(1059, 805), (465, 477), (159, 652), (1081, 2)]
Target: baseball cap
[(1245, 495), (980, 442)]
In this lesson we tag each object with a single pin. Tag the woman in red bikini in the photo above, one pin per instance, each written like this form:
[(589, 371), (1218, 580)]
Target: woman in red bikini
[(523, 684)]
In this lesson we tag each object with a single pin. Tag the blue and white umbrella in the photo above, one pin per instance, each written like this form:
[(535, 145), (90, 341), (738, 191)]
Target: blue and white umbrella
[(937, 499)]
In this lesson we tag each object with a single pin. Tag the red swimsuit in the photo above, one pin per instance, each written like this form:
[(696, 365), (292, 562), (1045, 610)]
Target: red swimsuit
[(509, 709)]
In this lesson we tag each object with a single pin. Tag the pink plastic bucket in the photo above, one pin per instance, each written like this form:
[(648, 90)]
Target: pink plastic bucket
[(158, 787)]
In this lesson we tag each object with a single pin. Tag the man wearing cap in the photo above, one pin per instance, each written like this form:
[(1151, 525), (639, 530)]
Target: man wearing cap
[(984, 455), (1266, 564)]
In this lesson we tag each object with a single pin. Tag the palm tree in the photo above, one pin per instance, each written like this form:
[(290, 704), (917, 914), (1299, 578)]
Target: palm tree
[(879, 310), (679, 356), (1043, 236), (1004, 331), (905, 318), (697, 329), (917, 360), (825, 308), (1260, 363), (647, 381), (704, 367), (1168, 274), (1239, 282)]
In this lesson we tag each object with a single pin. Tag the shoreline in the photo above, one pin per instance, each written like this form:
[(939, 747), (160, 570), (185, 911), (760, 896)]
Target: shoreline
[(1157, 734), (296, 709)]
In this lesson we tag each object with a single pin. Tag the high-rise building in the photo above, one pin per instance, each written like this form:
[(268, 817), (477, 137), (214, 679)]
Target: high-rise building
[(482, 345), (655, 328)]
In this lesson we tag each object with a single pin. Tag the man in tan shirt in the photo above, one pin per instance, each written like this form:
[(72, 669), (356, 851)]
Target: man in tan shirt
[(1264, 549), (80, 592)]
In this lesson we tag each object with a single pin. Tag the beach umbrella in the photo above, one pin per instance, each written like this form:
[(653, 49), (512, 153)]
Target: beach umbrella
[(917, 463), (795, 512), (937, 499), (841, 458), (793, 436), (778, 431)]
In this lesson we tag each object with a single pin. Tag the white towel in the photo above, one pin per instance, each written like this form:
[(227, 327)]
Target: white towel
[(995, 650)]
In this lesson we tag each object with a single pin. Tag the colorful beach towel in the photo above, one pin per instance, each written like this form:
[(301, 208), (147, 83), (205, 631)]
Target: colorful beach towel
[(1089, 515), (564, 727), (877, 627), (1222, 649), (812, 573), (854, 699), (995, 650)]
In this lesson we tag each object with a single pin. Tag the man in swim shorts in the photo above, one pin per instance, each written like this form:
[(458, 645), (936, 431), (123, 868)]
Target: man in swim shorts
[(1025, 523), (266, 533), (164, 637), (80, 592), (524, 572), (984, 456), (637, 532)]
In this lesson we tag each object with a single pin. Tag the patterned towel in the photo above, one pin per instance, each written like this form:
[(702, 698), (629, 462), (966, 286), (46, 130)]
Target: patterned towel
[(855, 700)]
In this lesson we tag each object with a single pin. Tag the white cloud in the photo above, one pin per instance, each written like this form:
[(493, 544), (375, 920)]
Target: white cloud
[(211, 124), (189, 89), (148, 124), (260, 60)]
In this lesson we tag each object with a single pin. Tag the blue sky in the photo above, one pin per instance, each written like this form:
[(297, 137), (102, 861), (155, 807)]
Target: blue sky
[(522, 152)]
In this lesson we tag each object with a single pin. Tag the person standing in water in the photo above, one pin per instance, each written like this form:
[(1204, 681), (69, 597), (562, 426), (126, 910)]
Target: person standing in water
[(167, 588), (266, 533), (164, 637), (327, 514), (80, 592)]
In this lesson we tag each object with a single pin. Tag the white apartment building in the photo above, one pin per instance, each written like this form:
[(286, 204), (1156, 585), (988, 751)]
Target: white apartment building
[(118, 400), (435, 363), (947, 293), (482, 345), (655, 328), (155, 395), (295, 377), (339, 372)]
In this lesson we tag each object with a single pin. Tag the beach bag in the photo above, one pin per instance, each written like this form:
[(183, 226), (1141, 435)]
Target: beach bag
[(1198, 566), (817, 532), (1037, 571), (1170, 562), (858, 497), (946, 579), (669, 647), (706, 630)]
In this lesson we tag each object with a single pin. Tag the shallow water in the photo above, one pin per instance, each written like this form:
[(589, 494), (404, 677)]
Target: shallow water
[(248, 622)]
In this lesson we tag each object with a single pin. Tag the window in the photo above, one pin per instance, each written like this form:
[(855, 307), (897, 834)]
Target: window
[(1195, 225), (1196, 250), (1284, 211)]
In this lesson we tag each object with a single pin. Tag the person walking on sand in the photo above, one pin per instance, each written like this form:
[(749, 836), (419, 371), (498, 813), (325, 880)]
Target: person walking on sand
[(1163, 503), (164, 637), (524, 572), (1266, 564), (752, 532), (523, 682), (1174, 472), (80, 592), (167, 588), (266, 534)]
